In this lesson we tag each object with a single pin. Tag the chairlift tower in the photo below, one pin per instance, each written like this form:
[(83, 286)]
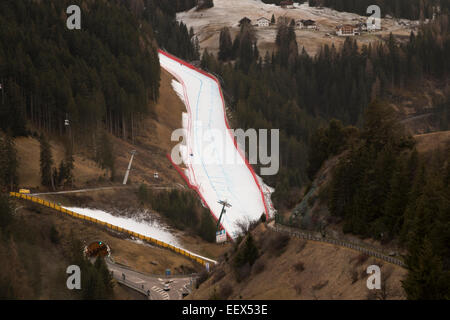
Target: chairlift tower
[(125, 179), (225, 204)]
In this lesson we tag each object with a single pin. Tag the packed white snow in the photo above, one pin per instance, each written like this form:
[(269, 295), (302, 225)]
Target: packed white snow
[(151, 228), (213, 164)]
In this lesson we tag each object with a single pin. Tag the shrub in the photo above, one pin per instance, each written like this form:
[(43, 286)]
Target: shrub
[(298, 288), (278, 243), (223, 294), (218, 275), (360, 259), (311, 201), (354, 276), (247, 253), (143, 194), (299, 266), (243, 272), (6, 213), (204, 4), (202, 277), (207, 229), (320, 285), (214, 295), (54, 235), (263, 218), (324, 193), (225, 291), (259, 266)]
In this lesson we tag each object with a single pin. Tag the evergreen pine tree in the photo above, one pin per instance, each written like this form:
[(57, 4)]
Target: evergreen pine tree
[(6, 214), (46, 162), (225, 45), (8, 163), (426, 279), (68, 165)]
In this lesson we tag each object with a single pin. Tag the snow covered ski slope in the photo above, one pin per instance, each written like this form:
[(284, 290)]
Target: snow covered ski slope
[(213, 165)]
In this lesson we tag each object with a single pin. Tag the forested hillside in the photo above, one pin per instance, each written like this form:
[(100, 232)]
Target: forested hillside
[(102, 78), (183, 210), (106, 73), (296, 92), (30, 250), (171, 35), (406, 9), (384, 189)]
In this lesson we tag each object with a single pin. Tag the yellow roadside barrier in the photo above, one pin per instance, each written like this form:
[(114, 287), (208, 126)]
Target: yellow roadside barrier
[(24, 195)]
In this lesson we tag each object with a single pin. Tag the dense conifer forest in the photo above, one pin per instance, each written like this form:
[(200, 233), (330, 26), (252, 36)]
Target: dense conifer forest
[(183, 209), (105, 74), (298, 93), (406, 9), (104, 77), (171, 35), (384, 189)]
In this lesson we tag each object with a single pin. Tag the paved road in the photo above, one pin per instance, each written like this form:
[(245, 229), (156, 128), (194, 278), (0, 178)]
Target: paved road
[(154, 284), (151, 186)]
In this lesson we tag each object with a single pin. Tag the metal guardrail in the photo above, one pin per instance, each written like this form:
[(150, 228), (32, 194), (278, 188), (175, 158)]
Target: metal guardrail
[(347, 244), (139, 288)]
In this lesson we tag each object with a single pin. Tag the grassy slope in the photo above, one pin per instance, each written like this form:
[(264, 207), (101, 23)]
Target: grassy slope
[(433, 141), (154, 142), (152, 146), (322, 262), (328, 273)]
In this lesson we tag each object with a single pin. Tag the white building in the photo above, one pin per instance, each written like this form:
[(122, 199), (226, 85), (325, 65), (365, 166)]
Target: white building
[(347, 30), (306, 24), (263, 22)]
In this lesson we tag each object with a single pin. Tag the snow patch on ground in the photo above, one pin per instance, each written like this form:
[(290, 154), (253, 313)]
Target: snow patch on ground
[(137, 223)]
